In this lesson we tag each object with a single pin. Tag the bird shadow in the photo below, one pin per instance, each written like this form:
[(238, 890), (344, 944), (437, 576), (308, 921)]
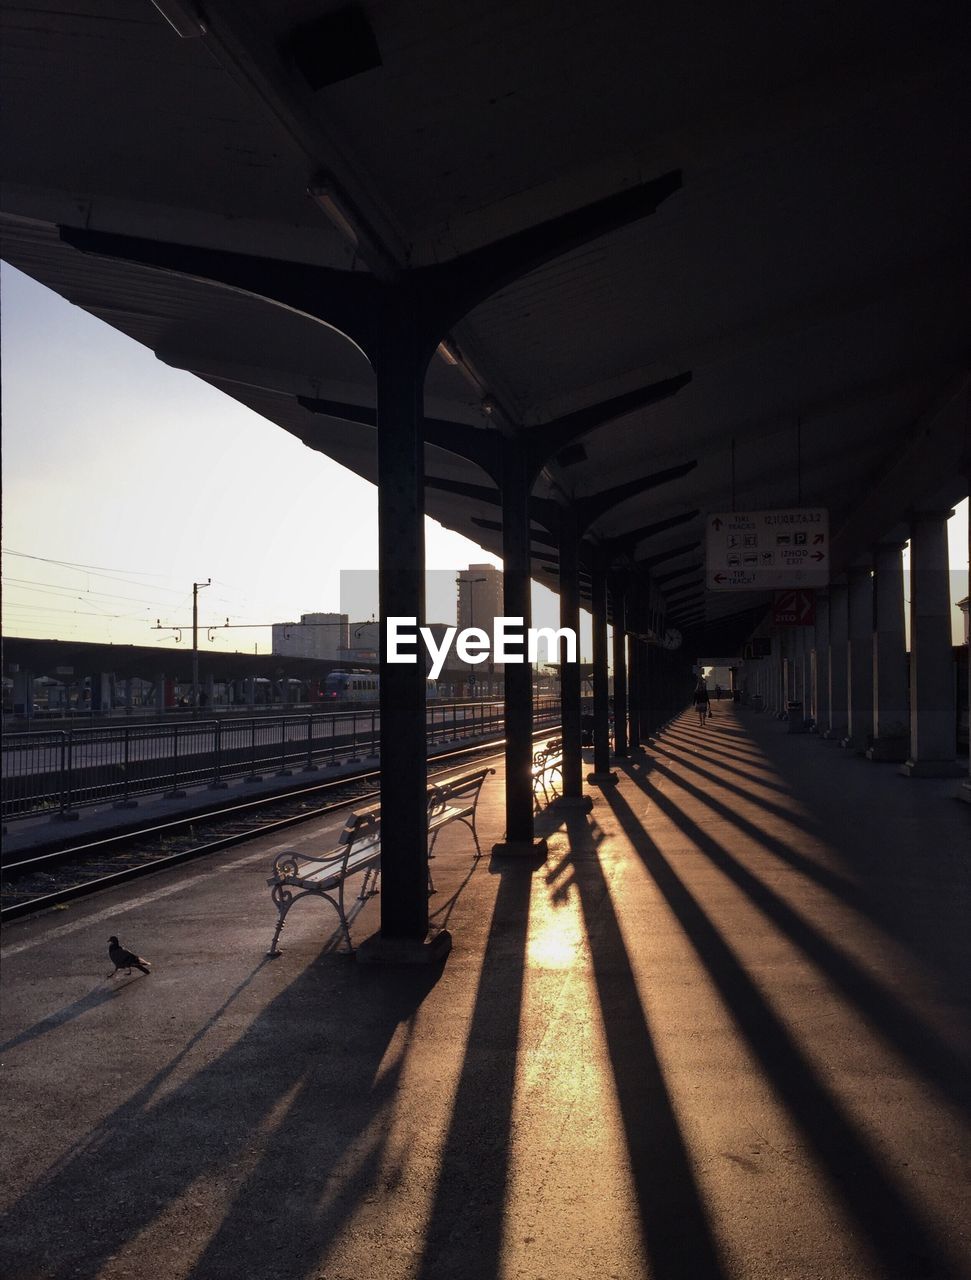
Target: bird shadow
[(97, 996)]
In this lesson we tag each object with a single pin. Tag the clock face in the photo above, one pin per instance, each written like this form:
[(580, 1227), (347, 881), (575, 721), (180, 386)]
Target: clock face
[(672, 638)]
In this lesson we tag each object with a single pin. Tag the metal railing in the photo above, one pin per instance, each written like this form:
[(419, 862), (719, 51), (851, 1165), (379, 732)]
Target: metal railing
[(58, 771)]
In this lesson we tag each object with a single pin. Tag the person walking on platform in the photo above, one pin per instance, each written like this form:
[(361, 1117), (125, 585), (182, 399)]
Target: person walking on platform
[(702, 701)]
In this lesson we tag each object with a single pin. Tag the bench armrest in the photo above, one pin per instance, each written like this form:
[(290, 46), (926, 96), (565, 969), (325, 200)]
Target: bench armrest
[(289, 862)]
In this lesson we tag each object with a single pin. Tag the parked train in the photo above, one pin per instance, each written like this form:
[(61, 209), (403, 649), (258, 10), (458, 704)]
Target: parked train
[(362, 686)]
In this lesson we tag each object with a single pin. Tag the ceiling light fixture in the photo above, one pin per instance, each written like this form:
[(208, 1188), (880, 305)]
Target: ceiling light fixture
[(489, 405), (323, 191), (183, 17), (449, 352)]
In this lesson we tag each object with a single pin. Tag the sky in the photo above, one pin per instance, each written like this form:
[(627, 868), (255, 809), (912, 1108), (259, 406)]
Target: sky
[(125, 481)]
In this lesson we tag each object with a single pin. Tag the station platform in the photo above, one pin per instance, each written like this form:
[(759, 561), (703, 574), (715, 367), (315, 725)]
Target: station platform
[(721, 1032)]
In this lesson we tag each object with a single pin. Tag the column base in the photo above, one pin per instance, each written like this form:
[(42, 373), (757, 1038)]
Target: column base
[(572, 802), (535, 848), (931, 769), (889, 750), (854, 744), (602, 779), (404, 951)]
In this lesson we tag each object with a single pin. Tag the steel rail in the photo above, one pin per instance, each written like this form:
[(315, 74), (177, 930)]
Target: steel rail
[(58, 896)]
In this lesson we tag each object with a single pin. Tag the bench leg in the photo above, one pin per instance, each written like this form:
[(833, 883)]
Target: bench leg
[(284, 901), (365, 891), (339, 904), (475, 837)]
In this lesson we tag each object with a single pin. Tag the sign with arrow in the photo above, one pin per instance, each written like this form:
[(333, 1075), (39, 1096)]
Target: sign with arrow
[(767, 550), (795, 608)]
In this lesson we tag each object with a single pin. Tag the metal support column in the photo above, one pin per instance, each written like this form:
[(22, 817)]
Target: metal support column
[(933, 710), (859, 696), (965, 789), (891, 709), (619, 598), (601, 728), (645, 692), (838, 655), (633, 694), (518, 684), (821, 710), (400, 372), (570, 681)]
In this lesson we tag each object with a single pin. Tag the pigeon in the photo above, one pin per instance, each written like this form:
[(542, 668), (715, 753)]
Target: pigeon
[(123, 959)]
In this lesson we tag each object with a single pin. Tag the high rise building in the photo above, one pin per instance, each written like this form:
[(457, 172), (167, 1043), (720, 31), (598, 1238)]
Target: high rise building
[(478, 604), (479, 600)]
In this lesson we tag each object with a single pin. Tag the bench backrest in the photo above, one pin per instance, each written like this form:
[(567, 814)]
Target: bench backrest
[(461, 790), (548, 751), (362, 825)]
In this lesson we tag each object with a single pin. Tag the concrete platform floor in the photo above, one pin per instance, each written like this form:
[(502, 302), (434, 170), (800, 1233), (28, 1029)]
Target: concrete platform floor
[(722, 1032)]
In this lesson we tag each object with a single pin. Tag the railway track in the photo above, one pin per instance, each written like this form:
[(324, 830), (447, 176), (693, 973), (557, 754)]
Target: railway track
[(50, 879)]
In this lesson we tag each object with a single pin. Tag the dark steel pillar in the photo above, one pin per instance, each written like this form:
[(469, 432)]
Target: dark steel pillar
[(400, 373), (633, 695), (518, 681), (570, 682), (658, 690), (619, 597), (601, 712), (644, 692)]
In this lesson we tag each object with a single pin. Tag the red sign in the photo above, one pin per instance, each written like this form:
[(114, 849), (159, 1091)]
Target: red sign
[(794, 608)]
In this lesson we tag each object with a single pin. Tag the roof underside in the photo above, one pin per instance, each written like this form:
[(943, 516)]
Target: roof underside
[(812, 273)]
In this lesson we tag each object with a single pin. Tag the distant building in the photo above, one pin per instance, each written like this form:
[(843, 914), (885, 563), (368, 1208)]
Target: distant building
[(316, 635), (479, 600), (478, 604)]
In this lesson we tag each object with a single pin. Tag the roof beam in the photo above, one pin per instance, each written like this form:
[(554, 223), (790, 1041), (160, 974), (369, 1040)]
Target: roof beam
[(661, 557), (677, 573), (461, 284), (546, 440), (598, 504), (535, 535)]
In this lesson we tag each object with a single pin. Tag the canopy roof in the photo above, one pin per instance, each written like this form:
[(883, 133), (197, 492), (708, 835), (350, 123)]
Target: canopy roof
[(811, 271)]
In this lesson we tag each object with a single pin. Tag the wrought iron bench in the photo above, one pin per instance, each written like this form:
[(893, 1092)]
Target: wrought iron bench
[(547, 765), (297, 875)]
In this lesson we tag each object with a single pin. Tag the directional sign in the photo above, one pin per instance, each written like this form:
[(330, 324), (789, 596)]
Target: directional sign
[(765, 550), (796, 608)]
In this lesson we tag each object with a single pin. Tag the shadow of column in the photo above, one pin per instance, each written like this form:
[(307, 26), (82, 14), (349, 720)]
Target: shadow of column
[(297, 1087), (902, 1244), (677, 1235), (465, 1226)]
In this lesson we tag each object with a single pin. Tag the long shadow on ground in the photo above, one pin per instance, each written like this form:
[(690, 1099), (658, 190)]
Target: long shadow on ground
[(282, 1107), (902, 1243)]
